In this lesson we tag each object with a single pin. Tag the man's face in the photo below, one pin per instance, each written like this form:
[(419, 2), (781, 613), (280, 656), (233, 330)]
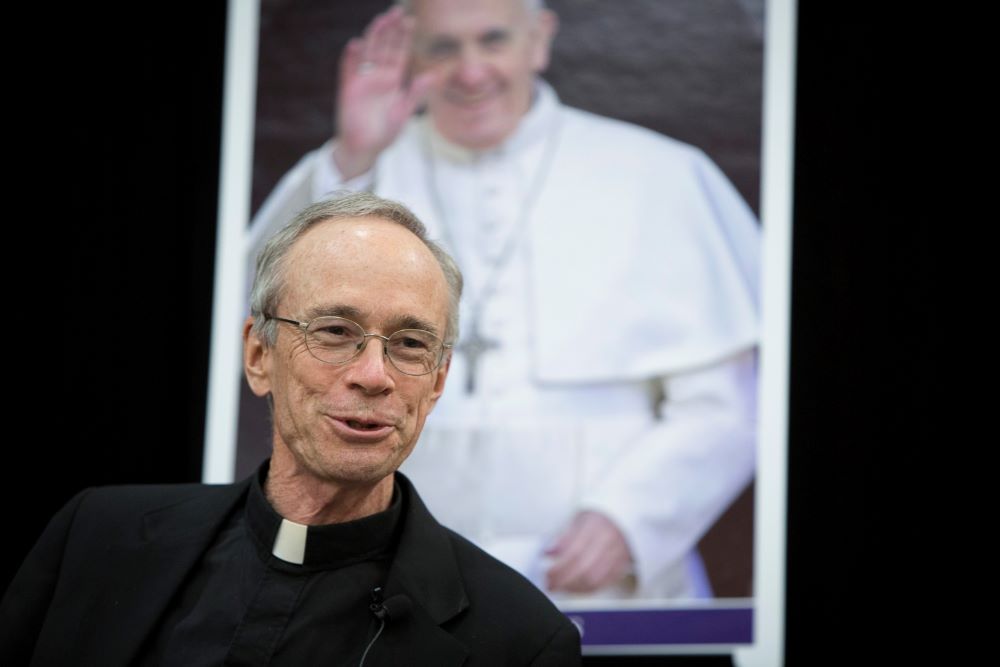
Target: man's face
[(485, 54), (353, 423)]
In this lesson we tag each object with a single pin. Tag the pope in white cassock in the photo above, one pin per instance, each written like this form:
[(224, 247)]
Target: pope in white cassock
[(603, 414)]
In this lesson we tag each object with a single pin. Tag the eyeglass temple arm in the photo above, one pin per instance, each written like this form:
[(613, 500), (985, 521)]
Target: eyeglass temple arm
[(301, 325)]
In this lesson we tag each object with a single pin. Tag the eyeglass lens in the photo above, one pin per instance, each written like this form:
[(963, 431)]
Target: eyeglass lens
[(335, 340)]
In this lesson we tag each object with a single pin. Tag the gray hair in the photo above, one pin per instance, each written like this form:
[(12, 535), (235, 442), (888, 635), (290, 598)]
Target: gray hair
[(269, 277), (530, 5)]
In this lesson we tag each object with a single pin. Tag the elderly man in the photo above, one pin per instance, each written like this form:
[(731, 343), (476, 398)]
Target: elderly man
[(325, 556), (606, 411)]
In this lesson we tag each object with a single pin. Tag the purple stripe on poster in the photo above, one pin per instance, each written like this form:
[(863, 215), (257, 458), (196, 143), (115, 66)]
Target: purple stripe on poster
[(665, 626)]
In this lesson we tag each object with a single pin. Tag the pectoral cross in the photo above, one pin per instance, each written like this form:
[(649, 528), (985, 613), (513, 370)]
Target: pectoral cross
[(472, 346)]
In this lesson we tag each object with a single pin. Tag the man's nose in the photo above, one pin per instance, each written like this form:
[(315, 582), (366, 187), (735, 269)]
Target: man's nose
[(472, 68), (370, 370)]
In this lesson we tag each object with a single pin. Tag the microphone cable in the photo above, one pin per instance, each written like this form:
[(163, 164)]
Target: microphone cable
[(396, 607)]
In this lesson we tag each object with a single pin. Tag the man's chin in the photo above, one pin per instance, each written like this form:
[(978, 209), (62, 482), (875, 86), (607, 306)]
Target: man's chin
[(480, 140), (475, 133), (363, 467)]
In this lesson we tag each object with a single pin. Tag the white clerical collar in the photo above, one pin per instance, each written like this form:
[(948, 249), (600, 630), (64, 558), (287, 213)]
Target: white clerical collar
[(534, 127), (323, 546), (290, 542)]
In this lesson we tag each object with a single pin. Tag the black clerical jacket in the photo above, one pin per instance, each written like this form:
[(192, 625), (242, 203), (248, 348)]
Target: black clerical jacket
[(94, 587)]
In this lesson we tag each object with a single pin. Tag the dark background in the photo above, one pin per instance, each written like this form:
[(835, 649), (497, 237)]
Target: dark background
[(110, 249)]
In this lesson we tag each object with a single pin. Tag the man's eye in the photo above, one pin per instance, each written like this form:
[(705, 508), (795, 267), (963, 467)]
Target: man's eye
[(333, 331), (494, 39), (440, 49), (411, 343)]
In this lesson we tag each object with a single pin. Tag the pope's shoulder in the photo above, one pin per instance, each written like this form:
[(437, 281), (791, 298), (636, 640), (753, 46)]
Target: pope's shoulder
[(621, 135)]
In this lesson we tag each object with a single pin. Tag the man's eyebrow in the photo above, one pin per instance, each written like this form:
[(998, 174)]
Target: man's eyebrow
[(435, 38), (436, 42), (334, 310), (412, 322), (495, 34)]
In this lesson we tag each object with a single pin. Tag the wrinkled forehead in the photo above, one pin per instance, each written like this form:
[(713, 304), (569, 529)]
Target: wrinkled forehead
[(365, 262), (446, 17)]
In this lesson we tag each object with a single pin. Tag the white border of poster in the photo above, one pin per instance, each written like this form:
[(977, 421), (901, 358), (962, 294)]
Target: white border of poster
[(776, 206)]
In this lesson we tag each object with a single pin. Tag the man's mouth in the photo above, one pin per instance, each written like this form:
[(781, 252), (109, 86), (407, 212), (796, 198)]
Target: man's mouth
[(469, 99), (361, 429), (362, 425)]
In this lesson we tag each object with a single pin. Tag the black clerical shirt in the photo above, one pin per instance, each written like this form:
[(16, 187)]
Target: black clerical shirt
[(243, 605)]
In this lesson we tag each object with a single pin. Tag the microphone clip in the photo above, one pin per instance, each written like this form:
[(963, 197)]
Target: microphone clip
[(376, 606)]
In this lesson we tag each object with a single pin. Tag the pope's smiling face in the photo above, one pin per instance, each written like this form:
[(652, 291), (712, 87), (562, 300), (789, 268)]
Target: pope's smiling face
[(353, 423), (485, 54)]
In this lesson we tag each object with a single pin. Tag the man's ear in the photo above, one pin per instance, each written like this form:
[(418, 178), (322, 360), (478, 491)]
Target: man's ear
[(440, 375), (256, 360), (545, 28)]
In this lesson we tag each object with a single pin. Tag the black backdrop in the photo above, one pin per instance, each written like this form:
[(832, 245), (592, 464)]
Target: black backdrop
[(109, 260)]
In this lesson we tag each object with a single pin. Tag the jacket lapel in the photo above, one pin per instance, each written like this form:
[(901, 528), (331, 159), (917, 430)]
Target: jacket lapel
[(425, 571), (174, 537)]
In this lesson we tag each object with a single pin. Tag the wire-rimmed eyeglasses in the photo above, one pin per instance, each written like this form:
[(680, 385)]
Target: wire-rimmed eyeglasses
[(338, 340)]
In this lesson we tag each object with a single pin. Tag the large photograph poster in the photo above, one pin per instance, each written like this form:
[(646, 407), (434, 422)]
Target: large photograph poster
[(659, 442)]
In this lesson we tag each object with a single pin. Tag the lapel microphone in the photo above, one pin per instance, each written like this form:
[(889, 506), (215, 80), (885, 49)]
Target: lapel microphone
[(391, 609)]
